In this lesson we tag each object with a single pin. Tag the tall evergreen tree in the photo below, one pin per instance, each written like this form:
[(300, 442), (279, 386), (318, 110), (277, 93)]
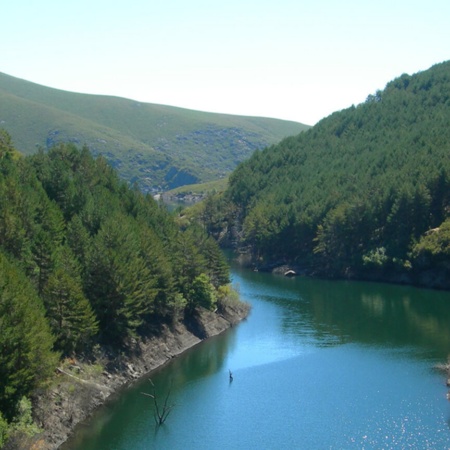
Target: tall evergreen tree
[(118, 282), (26, 343), (70, 315)]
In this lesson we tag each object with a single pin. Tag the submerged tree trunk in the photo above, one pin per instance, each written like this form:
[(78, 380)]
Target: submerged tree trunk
[(160, 414)]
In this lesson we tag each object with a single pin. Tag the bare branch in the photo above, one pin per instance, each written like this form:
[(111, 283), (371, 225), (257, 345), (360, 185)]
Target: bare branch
[(160, 416)]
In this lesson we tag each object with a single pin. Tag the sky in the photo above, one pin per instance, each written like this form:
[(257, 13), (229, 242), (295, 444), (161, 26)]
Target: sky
[(288, 59)]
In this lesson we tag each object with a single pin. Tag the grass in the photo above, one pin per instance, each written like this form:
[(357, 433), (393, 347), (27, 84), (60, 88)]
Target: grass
[(160, 147), (200, 188)]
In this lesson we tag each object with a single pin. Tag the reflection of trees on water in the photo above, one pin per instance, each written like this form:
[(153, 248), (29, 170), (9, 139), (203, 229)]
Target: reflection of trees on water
[(335, 312), (384, 314), (198, 363), (201, 361)]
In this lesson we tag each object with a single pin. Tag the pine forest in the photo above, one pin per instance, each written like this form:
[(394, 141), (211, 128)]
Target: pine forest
[(87, 261)]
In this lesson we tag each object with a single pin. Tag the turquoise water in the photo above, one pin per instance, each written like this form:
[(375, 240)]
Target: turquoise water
[(317, 365)]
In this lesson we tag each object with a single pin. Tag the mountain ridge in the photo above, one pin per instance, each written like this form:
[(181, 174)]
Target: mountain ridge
[(159, 147)]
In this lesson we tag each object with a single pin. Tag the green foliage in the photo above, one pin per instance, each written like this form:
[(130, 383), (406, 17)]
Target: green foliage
[(3, 430), (86, 260), (227, 296), (186, 259), (16, 433), (216, 265), (159, 147), (69, 312), (433, 247), (202, 293), (6, 147), (23, 422), (25, 340), (177, 305), (119, 284), (202, 189), (376, 258), (369, 177)]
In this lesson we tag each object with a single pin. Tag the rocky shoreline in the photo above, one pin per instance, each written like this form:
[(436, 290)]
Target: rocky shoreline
[(437, 278), (444, 368), (79, 387)]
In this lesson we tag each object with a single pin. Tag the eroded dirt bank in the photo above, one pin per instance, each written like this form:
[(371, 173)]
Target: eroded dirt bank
[(80, 388)]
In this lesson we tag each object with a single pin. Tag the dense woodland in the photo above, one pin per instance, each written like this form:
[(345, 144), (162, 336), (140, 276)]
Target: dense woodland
[(364, 193), (84, 261)]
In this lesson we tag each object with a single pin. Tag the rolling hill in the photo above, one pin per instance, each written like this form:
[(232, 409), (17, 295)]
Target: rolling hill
[(159, 147)]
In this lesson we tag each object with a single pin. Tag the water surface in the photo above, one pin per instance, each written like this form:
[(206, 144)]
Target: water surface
[(317, 365)]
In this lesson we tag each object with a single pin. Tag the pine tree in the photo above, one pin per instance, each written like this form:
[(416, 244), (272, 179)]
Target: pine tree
[(78, 239), (118, 282), (25, 339), (160, 270), (69, 312), (216, 265)]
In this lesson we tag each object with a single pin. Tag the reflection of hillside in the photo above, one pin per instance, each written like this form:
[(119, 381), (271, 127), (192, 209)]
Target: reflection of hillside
[(195, 364), (381, 314), (371, 313), (187, 368), (434, 328)]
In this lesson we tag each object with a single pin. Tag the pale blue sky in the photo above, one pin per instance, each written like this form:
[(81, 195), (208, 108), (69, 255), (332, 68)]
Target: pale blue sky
[(296, 60)]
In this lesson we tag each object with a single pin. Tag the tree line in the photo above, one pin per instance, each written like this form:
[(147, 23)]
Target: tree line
[(364, 192), (85, 260)]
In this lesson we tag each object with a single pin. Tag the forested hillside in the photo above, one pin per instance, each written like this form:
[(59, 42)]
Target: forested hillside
[(85, 261), (158, 147), (364, 193)]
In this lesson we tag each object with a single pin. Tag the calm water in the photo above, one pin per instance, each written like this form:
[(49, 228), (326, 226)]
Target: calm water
[(317, 365)]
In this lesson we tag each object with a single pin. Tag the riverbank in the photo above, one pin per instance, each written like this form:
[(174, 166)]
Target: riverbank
[(437, 278), (370, 338), (80, 387)]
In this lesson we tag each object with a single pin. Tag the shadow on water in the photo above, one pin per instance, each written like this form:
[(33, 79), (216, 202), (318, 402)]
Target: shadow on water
[(187, 369), (286, 354), (337, 312)]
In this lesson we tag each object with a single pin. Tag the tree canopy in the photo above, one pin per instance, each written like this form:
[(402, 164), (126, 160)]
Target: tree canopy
[(85, 259), (365, 182)]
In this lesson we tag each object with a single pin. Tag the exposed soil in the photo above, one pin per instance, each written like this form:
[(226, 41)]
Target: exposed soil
[(81, 387)]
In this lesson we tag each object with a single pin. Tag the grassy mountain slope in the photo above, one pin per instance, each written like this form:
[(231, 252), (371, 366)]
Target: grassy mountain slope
[(157, 146), (361, 190)]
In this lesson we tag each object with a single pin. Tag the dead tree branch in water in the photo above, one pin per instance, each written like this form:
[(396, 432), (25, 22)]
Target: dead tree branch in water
[(160, 414)]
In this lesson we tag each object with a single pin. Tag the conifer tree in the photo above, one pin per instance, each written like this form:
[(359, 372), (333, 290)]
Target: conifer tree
[(160, 270), (79, 240), (70, 315), (118, 282), (216, 265), (26, 358)]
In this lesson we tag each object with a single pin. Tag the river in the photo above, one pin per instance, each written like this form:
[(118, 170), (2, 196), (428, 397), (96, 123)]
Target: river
[(317, 365)]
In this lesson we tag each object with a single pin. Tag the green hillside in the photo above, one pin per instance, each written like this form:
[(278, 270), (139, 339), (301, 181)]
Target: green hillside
[(88, 264), (160, 147), (364, 193)]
